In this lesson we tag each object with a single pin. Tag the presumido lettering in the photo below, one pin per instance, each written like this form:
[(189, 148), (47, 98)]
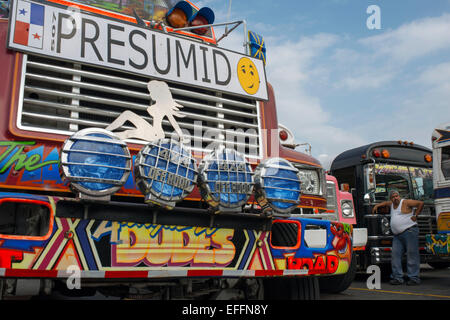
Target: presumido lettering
[(147, 49)]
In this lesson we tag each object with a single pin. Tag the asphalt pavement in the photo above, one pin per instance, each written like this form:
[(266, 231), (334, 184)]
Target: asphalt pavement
[(435, 285)]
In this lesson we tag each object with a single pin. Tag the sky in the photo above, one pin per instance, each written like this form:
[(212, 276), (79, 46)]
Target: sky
[(349, 84)]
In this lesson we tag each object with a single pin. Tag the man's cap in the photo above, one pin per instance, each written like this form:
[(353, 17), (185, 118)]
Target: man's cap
[(392, 192), (205, 12), (185, 6)]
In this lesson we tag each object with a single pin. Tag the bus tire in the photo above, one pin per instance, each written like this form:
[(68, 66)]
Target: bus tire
[(301, 288), (336, 284), (439, 265)]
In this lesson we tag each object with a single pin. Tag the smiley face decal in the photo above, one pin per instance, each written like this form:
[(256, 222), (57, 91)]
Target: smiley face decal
[(248, 75)]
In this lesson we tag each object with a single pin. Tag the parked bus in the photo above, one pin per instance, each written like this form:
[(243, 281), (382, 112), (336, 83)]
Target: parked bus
[(143, 157), (372, 171), (439, 243), (340, 207)]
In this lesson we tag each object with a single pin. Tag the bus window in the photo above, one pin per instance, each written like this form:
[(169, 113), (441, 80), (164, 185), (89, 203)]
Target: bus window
[(388, 177), (422, 179), (4, 9), (147, 9), (386, 183), (445, 162)]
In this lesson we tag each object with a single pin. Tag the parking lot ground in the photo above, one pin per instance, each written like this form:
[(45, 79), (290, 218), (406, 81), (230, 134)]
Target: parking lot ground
[(435, 285)]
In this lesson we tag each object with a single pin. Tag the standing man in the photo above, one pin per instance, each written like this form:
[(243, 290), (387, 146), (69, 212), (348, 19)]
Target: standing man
[(404, 214)]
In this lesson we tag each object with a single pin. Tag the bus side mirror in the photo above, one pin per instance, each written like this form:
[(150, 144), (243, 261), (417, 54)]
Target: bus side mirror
[(369, 197), (354, 194)]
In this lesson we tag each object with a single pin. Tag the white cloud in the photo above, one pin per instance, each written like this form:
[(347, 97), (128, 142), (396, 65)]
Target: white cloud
[(376, 61), (405, 98), (429, 105), (412, 40), (372, 79), (436, 75), (373, 64), (292, 67)]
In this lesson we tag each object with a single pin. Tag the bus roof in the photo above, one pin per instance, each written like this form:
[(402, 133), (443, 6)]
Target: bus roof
[(400, 152), (441, 135)]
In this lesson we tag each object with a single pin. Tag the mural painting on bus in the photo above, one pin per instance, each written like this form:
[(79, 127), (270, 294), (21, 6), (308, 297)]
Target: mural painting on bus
[(153, 245), (334, 258), (108, 245), (149, 245), (27, 164), (438, 244)]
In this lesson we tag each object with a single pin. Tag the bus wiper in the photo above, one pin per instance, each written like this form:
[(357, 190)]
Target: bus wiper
[(139, 20)]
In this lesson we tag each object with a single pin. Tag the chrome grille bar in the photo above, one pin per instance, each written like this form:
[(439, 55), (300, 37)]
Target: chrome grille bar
[(138, 84), (114, 114), (62, 97)]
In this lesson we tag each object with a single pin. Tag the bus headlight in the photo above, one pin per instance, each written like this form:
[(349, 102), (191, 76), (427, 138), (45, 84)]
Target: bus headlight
[(225, 180), (347, 208), (95, 162), (277, 186), (165, 172), (385, 226), (310, 182)]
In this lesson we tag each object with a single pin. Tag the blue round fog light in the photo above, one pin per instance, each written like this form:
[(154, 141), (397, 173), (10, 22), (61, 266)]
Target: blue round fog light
[(165, 172), (225, 180), (277, 186), (95, 161)]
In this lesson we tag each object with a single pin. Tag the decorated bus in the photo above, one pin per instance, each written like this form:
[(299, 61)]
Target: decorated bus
[(439, 243), (138, 156), (340, 208), (371, 171)]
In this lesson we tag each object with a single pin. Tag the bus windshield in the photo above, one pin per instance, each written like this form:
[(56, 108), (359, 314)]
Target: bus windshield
[(445, 162), (411, 182), (146, 9), (4, 9)]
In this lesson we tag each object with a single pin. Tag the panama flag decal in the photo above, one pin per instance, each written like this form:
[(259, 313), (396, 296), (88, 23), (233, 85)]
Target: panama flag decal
[(29, 24)]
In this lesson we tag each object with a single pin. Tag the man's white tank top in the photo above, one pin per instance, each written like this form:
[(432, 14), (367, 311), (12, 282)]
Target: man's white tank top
[(401, 221)]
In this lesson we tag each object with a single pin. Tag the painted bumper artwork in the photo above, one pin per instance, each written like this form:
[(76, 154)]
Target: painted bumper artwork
[(122, 249), (26, 164), (438, 244)]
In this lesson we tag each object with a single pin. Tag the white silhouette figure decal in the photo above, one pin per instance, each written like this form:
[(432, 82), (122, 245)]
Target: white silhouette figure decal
[(164, 106)]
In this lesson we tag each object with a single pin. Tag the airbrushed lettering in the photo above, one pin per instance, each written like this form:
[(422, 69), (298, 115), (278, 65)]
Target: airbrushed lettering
[(160, 245), (318, 265), (14, 155)]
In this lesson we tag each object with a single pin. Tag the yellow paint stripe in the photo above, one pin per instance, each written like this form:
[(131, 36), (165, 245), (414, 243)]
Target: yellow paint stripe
[(399, 292)]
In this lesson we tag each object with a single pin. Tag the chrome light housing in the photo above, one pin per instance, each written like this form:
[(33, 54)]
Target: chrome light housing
[(225, 180), (165, 172), (277, 187), (347, 209), (385, 226), (310, 181), (95, 162)]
